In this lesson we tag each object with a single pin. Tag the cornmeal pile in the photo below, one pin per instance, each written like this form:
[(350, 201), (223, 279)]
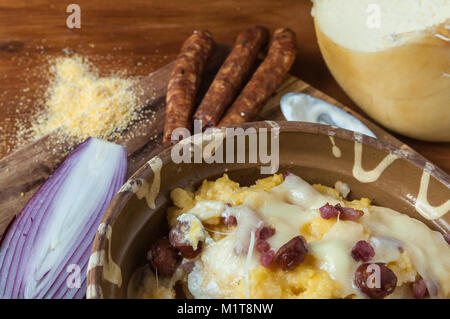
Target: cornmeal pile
[(83, 104)]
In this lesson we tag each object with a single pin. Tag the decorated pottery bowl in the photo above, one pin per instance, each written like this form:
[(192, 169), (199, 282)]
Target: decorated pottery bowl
[(393, 177)]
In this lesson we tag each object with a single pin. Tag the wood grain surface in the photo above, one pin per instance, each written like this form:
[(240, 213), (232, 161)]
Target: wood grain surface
[(138, 37), (24, 171)]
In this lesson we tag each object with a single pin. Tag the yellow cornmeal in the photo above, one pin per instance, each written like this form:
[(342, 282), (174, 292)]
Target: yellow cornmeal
[(84, 104), (314, 230), (403, 269), (306, 280)]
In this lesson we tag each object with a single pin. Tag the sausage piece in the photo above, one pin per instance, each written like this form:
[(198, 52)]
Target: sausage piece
[(185, 80), (231, 76), (291, 254), (375, 280), (163, 257), (266, 79)]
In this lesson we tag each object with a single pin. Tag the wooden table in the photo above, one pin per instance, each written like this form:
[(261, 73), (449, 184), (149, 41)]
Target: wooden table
[(139, 37)]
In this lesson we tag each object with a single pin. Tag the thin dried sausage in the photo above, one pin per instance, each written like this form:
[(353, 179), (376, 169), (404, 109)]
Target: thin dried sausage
[(266, 79), (185, 80), (231, 76)]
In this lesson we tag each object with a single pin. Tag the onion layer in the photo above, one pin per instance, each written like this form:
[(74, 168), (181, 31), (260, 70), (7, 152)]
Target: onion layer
[(45, 251)]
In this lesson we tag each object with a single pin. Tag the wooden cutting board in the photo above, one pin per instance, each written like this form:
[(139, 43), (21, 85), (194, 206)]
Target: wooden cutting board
[(24, 171)]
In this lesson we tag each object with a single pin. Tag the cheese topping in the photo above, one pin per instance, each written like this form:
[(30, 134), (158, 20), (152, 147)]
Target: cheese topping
[(405, 245)]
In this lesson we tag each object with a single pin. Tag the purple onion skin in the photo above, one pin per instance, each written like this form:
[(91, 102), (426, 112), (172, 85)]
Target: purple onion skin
[(31, 224)]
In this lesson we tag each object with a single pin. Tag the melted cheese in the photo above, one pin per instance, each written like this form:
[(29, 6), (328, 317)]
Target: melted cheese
[(298, 192), (429, 252), (333, 253), (286, 218), (406, 245), (220, 273), (208, 211)]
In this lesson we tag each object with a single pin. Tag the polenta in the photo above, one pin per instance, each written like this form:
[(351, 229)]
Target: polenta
[(283, 238)]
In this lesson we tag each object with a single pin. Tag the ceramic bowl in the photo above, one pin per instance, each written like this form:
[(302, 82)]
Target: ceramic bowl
[(317, 153)]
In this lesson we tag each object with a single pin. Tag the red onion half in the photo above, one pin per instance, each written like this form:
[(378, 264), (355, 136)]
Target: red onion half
[(45, 251)]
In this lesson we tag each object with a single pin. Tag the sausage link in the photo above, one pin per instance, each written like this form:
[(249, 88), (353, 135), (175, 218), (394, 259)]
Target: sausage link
[(185, 80), (231, 76), (266, 79)]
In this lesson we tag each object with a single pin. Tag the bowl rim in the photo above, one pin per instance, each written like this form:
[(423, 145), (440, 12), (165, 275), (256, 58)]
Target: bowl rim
[(95, 274)]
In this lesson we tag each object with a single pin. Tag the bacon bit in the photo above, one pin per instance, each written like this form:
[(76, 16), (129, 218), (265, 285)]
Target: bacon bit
[(229, 220), (447, 238), (267, 258), (327, 211), (265, 232), (291, 254), (363, 251), (188, 251), (262, 246), (347, 213), (420, 290)]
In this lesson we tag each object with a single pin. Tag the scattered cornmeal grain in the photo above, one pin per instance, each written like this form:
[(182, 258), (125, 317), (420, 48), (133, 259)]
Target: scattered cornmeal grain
[(82, 104)]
